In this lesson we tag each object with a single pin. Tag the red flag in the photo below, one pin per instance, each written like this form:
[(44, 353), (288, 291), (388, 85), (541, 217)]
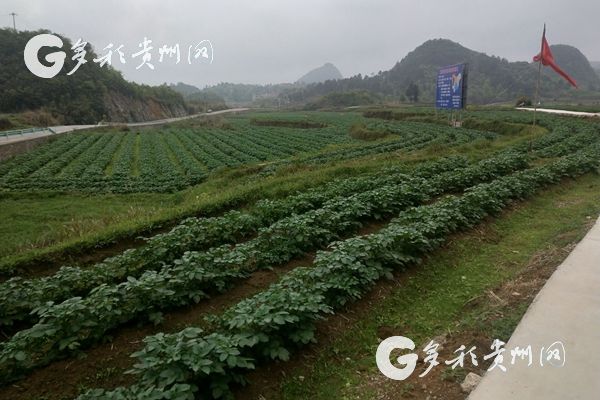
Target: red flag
[(547, 58)]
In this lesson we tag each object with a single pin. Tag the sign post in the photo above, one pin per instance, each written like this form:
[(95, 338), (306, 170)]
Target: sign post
[(451, 88)]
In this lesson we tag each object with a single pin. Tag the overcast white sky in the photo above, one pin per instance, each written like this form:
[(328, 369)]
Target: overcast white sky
[(271, 41)]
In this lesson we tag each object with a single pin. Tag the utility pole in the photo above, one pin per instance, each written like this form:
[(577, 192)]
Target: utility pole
[(13, 17)]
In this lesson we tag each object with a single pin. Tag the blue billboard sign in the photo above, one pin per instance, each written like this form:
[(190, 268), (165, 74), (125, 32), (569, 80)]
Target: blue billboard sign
[(451, 90)]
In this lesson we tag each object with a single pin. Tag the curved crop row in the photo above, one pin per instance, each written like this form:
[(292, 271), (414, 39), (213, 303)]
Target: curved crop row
[(21, 296), (78, 322), (412, 136), (272, 323), (165, 161), (145, 162)]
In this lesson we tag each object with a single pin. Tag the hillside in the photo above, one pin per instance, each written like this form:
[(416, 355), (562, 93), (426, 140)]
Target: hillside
[(199, 100), (240, 94), (572, 60), (184, 89), (89, 95), (491, 79), (244, 94), (596, 66), (323, 73)]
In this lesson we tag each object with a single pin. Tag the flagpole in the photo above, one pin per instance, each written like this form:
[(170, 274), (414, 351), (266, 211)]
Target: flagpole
[(537, 88)]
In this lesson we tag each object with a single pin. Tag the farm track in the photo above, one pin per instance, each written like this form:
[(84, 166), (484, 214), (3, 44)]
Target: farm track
[(73, 128)]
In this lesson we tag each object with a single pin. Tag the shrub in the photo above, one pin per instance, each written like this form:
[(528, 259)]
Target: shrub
[(524, 101), (5, 124), (39, 118)]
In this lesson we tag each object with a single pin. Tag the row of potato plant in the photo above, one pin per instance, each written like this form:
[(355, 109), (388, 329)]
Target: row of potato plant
[(79, 322), (268, 326), (21, 296)]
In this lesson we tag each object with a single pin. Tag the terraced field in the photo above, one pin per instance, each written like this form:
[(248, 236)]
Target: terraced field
[(152, 160), (170, 159), (315, 237)]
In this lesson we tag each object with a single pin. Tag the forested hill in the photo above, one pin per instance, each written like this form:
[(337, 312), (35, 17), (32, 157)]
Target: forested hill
[(491, 79), (89, 95), (323, 73), (572, 60), (200, 100)]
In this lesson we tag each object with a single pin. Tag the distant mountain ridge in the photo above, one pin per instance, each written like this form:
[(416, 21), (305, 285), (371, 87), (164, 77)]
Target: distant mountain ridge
[(491, 78), (238, 94), (184, 89), (326, 72), (200, 100), (242, 94)]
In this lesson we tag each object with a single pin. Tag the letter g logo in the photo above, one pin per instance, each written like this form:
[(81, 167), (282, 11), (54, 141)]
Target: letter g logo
[(57, 59), (382, 357)]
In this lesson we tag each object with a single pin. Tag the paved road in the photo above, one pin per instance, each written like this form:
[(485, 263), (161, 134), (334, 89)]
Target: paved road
[(567, 309), (25, 136), (562, 112), (70, 128), (168, 120)]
